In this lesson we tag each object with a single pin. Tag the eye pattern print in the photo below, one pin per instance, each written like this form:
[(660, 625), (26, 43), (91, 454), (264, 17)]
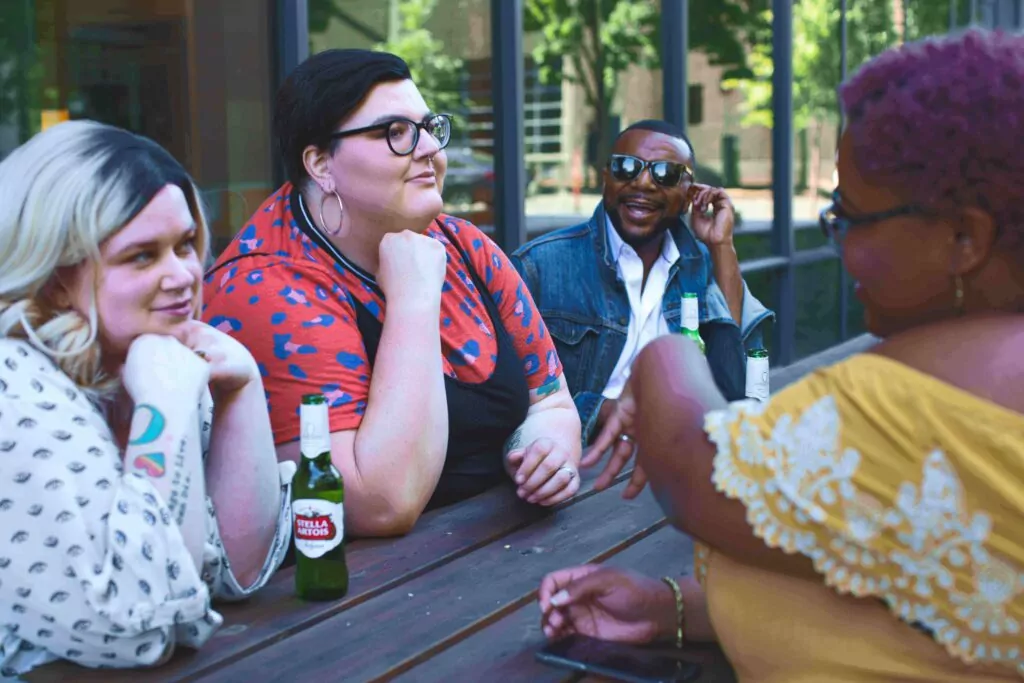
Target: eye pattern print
[(93, 568)]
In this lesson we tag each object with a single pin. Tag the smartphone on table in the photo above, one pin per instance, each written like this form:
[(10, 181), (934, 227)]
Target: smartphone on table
[(618, 661)]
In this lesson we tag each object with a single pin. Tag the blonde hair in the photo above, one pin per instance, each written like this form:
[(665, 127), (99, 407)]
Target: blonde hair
[(66, 191)]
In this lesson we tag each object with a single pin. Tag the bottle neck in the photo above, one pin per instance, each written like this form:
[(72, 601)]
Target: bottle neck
[(690, 315), (315, 431)]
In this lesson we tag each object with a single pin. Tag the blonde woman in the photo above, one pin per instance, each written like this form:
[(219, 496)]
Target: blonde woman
[(137, 470)]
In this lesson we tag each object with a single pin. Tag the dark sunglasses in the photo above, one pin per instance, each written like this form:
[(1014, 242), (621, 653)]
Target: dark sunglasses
[(835, 224), (404, 134), (625, 168)]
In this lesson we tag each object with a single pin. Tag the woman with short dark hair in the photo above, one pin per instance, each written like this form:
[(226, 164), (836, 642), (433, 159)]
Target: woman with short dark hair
[(441, 378)]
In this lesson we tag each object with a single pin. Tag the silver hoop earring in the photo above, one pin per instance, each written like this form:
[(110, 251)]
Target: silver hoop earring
[(341, 213)]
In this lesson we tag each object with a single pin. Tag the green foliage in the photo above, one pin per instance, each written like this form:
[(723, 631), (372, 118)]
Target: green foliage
[(434, 71), (816, 58), (871, 29), (602, 38), (932, 18), (320, 13), (599, 38), (21, 71)]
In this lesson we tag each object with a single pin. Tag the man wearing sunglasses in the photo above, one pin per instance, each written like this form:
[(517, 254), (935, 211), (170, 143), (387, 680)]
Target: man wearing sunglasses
[(608, 286)]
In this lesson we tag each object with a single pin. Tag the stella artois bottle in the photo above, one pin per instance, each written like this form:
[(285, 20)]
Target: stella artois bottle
[(318, 494), (691, 320)]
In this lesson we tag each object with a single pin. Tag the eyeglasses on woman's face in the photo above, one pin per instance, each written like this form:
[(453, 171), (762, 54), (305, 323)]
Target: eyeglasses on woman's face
[(835, 222), (403, 134)]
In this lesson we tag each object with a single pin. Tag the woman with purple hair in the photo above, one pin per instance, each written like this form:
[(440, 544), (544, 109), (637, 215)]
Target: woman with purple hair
[(865, 524)]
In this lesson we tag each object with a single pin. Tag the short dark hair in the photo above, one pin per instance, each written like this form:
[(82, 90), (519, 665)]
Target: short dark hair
[(665, 128), (320, 92)]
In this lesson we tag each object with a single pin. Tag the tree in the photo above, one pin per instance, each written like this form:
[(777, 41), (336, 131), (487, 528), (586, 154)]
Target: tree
[(435, 73), (21, 73), (932, 18), (816, 68), (599, 39)]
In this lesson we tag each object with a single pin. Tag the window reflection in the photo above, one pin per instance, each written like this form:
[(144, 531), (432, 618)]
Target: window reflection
[(194, 77)]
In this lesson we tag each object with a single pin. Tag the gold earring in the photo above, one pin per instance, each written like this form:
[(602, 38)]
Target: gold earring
[(341, 213), (958, 295)]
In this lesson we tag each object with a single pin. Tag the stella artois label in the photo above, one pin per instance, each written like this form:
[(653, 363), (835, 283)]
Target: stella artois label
[(319, 526)]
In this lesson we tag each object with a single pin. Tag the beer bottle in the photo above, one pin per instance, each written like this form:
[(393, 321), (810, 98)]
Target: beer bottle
[(318, 494), (691, 320), (757, 374)]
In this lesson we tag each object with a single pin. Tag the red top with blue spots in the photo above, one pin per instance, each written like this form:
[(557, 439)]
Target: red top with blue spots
[(290, 304)]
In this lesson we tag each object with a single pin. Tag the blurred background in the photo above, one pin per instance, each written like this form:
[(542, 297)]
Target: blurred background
[(198, 76)]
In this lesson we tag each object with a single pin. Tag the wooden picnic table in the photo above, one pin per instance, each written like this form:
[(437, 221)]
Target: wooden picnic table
[(455, 600)]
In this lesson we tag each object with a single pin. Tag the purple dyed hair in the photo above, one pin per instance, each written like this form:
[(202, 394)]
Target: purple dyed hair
[(942, 120)]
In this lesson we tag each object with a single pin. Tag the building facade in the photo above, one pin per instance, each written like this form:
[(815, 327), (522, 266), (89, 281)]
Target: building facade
[(199, 77)]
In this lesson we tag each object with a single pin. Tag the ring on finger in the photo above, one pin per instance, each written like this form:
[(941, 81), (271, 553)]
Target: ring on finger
[(625, 438), (570, 469), (202, 354)]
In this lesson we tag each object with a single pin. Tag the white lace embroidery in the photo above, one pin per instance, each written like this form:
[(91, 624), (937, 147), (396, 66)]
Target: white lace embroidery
[(924, 550)]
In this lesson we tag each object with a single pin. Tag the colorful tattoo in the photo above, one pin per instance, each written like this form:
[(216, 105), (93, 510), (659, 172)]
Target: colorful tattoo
[(153, 464), (549, 388), (154, 428)]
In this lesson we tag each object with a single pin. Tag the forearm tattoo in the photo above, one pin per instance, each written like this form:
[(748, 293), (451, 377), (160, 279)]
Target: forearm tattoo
[(514, 441), (177, 500), (154, 464), (549, 388)]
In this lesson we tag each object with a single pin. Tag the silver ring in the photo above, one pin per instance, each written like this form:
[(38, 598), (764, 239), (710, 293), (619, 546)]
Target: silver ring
[(626, 438), (570, 470)]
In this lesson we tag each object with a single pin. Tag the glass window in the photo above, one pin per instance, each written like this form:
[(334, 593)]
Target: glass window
[(572, 112), (765, 285), (447, 44), (817, 307), (194, 77), (871, 28)]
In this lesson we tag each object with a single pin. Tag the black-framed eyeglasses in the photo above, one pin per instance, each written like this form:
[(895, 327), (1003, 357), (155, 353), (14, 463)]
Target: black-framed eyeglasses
[(624, 168), (403, 134), (835, 224)]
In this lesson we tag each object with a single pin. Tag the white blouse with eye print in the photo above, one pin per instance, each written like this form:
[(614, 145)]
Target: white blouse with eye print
[(92, 567)]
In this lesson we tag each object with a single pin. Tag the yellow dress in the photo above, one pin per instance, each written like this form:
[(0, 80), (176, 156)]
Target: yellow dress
[(908, 495)]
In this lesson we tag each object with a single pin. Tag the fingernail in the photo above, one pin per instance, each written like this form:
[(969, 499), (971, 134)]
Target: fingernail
[(560, 598), (519, 478)]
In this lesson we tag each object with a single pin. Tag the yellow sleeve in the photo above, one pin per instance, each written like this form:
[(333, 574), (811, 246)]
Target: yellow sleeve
[(887, 488)]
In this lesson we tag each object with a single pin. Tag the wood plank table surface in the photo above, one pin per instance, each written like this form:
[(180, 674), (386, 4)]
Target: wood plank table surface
[(455, 600)]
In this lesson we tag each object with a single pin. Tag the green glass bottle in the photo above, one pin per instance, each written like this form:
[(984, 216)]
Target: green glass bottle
[(318, 496), (691, 320)]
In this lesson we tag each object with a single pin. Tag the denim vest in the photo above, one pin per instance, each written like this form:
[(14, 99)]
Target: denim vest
[(575, 283)]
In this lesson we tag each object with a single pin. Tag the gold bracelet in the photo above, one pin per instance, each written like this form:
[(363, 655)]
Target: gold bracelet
[(680, 610)]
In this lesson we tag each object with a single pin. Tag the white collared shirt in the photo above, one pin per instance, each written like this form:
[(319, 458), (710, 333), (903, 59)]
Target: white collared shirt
[(646, 317)]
